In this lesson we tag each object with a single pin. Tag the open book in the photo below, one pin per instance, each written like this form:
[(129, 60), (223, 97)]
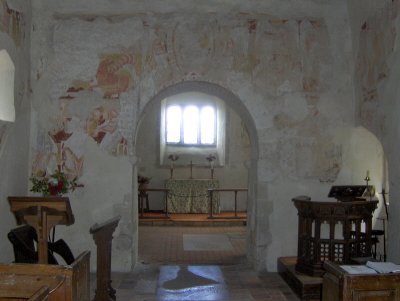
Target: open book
[(383, 267), (372, 267), (358, 269)]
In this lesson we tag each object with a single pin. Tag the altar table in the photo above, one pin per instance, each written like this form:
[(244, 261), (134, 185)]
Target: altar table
[(191, 195)]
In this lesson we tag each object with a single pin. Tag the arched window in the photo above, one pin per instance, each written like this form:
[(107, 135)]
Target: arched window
[(190, 124), (7, 70), (193, 124)]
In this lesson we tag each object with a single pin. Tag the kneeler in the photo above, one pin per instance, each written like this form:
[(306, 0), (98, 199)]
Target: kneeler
[(23, 240)]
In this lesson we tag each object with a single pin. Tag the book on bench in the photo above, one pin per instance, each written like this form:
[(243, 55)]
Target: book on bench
[(383, 267), (372, 267)]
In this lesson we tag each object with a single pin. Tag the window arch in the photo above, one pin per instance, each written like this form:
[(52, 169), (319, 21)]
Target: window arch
[(191, 123), (192, 126), (7, 71)]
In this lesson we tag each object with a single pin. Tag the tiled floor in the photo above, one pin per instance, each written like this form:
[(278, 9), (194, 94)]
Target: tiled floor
[(165, 245), (173, 266)]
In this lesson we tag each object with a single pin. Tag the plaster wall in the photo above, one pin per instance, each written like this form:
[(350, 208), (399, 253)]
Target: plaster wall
[(94, 73), (14, 136), (375, 35)]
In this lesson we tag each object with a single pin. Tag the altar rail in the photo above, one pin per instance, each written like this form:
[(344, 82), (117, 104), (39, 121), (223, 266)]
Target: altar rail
[(144, 196), (353, 241), (234, 190)]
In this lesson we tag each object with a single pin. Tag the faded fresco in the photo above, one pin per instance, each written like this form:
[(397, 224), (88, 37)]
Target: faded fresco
[(60, 157), (12, 22), (275, 57), (113, 77), (376, 44)]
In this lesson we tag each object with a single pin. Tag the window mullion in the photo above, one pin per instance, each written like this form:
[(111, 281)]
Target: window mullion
[(199, 126), (182, 123)]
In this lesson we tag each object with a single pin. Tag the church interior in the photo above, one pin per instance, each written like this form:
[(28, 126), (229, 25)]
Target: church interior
[(290, 170)]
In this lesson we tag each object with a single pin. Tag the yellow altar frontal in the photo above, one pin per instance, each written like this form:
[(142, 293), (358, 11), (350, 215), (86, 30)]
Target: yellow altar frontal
[(191, 195)]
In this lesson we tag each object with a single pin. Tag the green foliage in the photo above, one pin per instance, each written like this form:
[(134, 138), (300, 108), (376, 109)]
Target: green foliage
[(55, 184)]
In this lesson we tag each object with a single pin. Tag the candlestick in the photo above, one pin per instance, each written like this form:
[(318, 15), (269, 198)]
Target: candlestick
[(367, 178)]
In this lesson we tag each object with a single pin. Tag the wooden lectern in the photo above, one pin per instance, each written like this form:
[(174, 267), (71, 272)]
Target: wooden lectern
[(42, 213)]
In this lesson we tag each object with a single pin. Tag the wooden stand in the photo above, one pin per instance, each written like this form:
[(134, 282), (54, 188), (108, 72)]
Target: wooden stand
[(65, 283), (42, 213), (102, 234), (345, 238)]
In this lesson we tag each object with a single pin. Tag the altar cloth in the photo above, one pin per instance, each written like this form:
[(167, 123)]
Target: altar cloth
[(191, 195)]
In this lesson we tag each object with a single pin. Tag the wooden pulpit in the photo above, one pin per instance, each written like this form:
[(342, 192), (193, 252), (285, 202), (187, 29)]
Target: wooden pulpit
[(42, 213)]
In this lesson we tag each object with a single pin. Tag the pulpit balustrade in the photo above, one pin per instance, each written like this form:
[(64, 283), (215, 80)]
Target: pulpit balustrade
[(334, 231)]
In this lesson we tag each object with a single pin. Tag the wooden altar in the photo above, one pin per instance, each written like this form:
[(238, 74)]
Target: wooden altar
[(347, 234), (191, 195)]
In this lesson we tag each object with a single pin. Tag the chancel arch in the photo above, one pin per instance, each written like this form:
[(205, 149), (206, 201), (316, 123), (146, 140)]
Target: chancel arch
[(237, 168)]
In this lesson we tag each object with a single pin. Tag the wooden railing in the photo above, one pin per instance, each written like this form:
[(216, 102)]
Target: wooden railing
[(144, 196), (234, 190)]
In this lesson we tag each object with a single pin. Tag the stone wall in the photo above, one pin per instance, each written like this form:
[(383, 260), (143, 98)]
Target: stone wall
[(15, 20), (95, 73), (375, 26)]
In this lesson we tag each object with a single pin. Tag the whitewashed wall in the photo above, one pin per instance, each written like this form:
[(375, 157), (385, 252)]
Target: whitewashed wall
[(375, 27), (14, 136), (95, 70)]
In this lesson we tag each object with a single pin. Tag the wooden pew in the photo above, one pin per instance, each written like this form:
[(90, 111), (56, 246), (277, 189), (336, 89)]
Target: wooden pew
[(338, 285), (20, 291), (41, 294), (65, 283)]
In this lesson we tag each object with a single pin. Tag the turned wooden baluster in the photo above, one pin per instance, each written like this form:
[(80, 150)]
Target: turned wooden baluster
[(102, 235)]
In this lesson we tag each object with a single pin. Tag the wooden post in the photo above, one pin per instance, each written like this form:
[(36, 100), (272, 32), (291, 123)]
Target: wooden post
[(210, 191), (236, 192), (102, 235)]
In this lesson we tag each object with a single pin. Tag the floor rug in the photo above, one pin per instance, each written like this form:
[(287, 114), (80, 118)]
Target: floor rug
[(206, 242)]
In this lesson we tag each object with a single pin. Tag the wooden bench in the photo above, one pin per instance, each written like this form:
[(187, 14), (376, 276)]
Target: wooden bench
[(20, 290), (64, 283), (338, 285)]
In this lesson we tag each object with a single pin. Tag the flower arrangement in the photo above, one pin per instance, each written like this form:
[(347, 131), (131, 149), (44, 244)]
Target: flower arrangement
[(57, 183), (143, 180), (173, 157), (210, 158)]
